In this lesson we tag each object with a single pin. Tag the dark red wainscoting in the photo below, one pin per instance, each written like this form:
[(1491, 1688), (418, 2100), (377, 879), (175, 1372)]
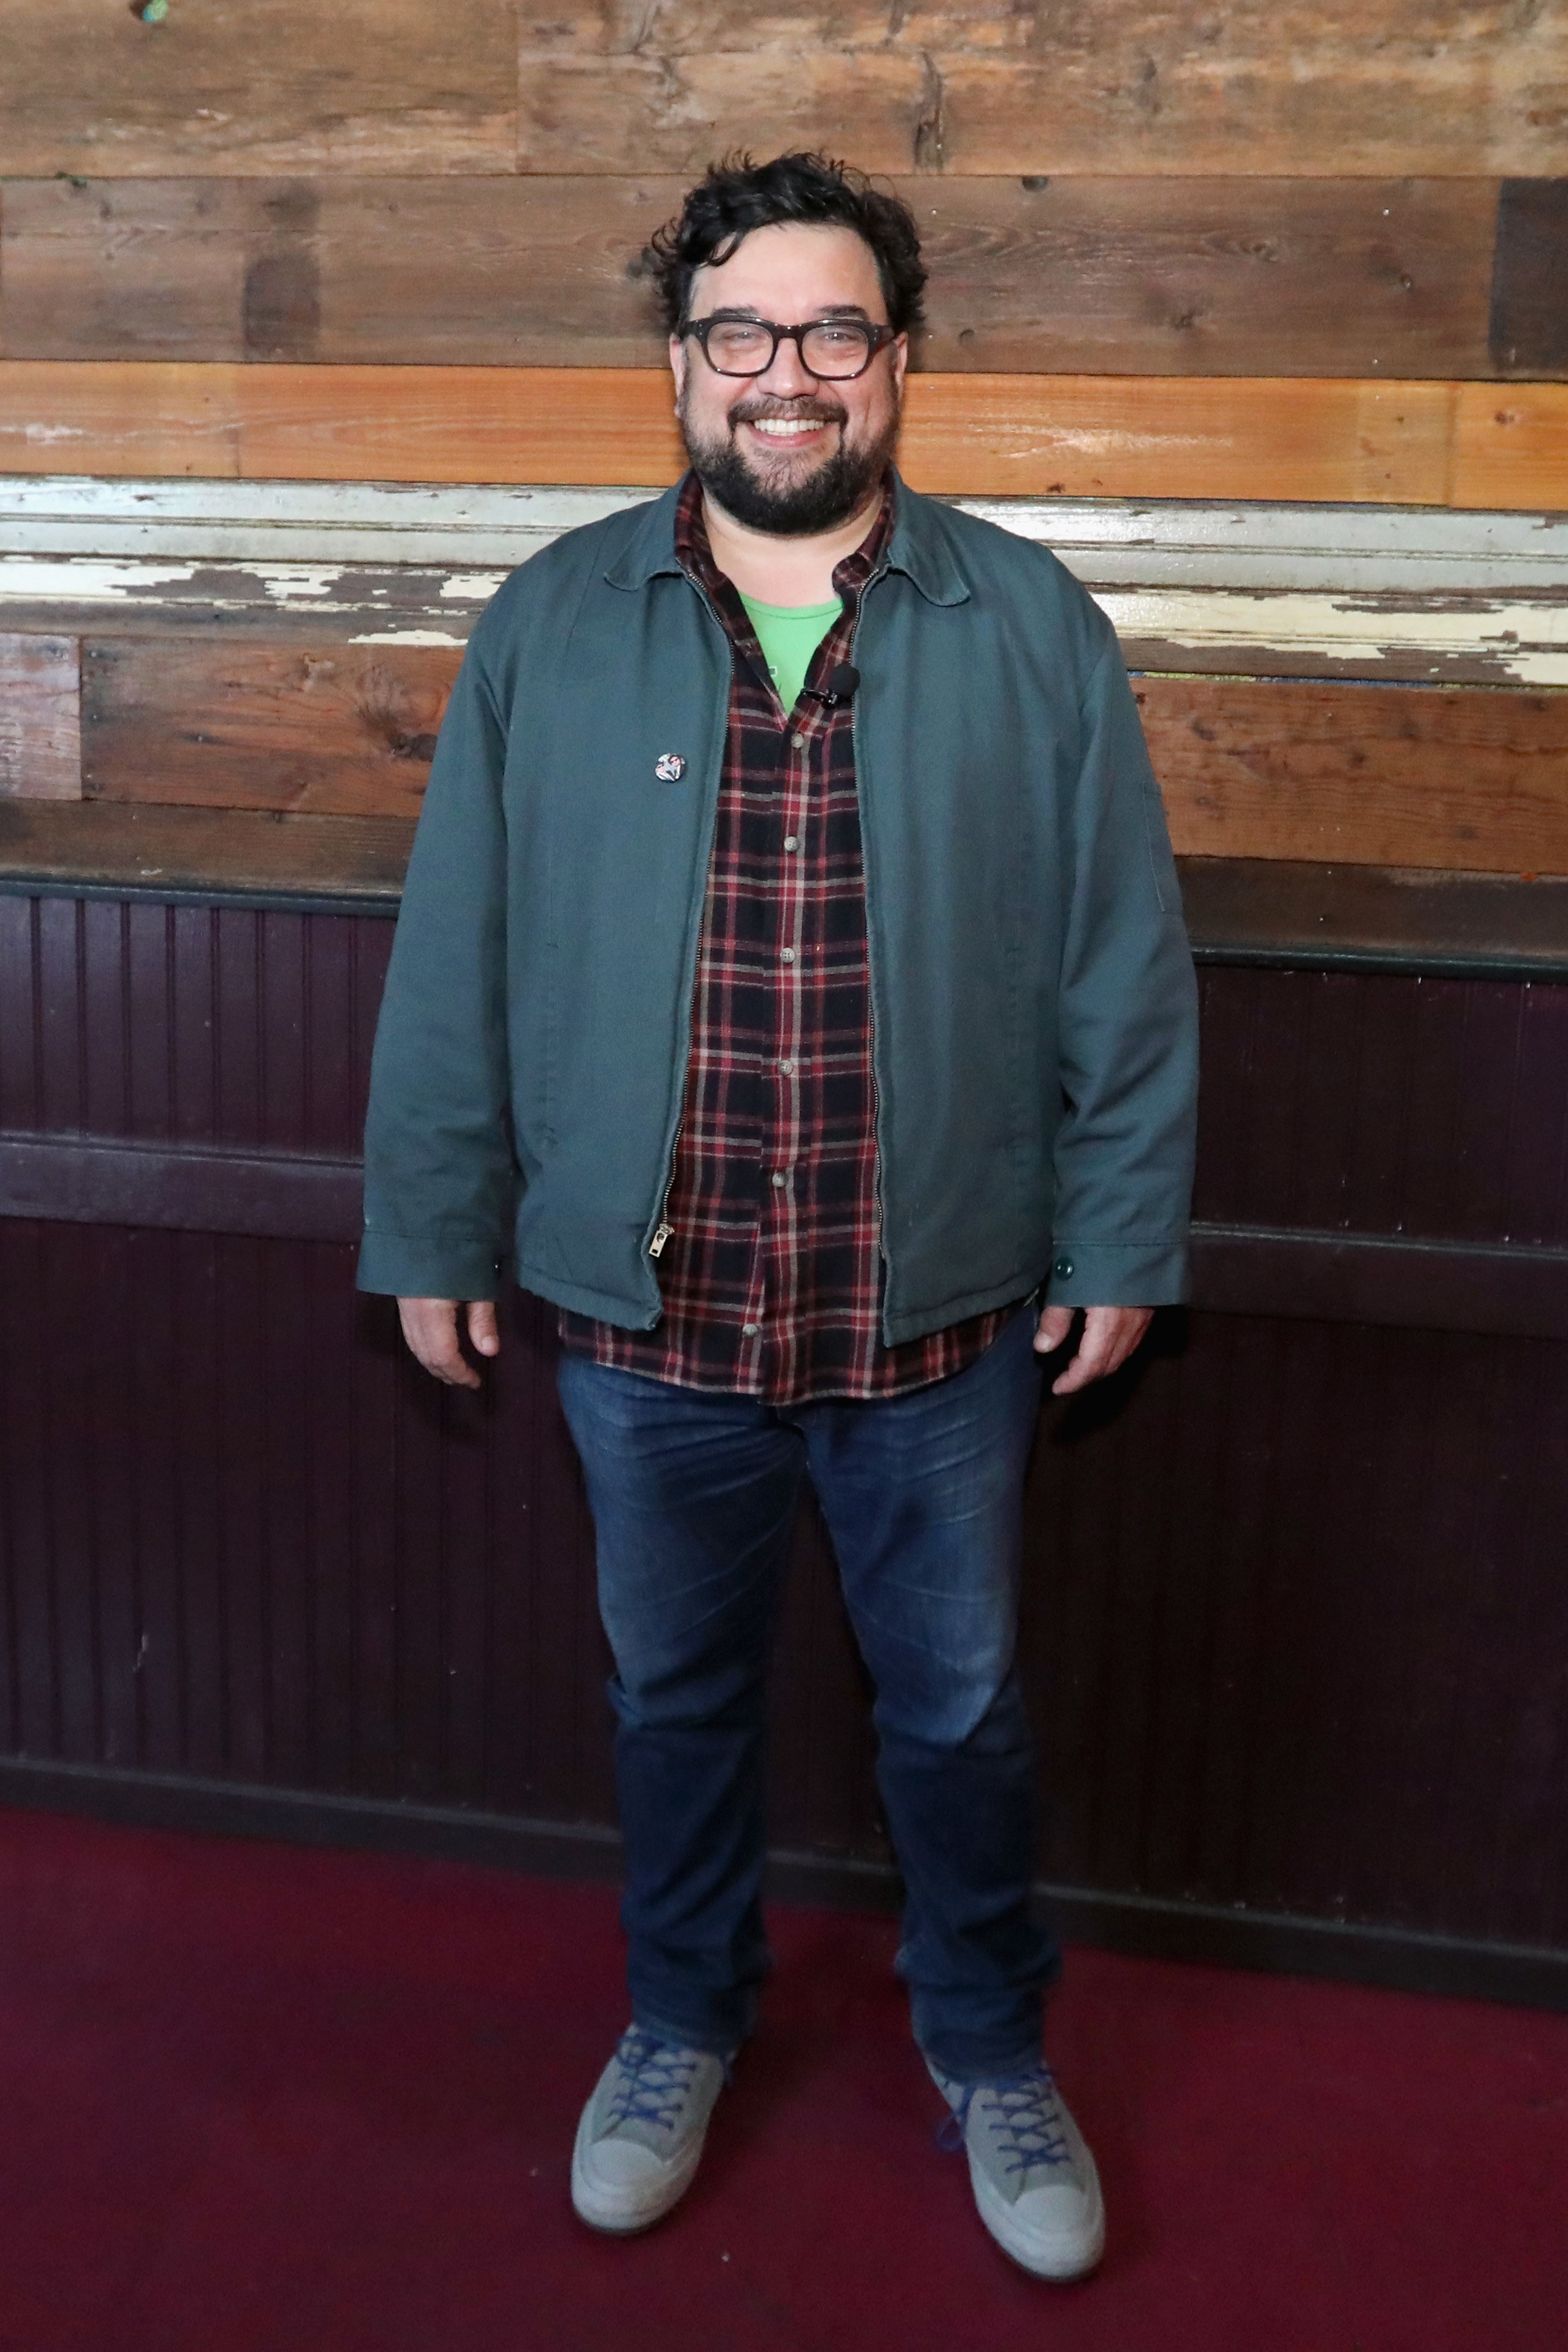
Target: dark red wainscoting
[(1297, 1621)]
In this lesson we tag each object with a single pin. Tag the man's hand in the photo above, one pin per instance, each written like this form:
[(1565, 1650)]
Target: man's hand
[(430, 1328), (1109, 1335)]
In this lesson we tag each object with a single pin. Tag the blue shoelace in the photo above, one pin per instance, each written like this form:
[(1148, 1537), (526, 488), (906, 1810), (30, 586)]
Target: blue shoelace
[(1027, 2126), (655, 2080)]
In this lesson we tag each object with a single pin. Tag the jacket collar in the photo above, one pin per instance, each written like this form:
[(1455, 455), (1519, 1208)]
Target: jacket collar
[(920, 546)]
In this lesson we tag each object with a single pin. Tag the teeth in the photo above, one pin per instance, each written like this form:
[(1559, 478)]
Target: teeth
[(783, 429)]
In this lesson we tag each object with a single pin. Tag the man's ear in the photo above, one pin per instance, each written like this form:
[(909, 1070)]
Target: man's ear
[(900, 361), (678, 359)]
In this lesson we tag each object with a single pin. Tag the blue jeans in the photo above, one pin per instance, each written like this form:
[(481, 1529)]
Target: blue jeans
[(692, 1497)]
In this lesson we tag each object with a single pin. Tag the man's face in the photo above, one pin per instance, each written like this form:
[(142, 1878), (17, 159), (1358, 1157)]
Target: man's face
[(783, 452)]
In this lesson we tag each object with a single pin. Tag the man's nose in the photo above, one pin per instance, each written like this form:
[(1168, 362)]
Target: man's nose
[(786, 376)]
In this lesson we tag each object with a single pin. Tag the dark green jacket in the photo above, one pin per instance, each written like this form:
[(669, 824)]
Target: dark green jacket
[(1032, 994)]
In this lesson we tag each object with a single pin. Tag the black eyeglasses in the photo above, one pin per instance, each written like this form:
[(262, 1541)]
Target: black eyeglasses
[(832, 350)]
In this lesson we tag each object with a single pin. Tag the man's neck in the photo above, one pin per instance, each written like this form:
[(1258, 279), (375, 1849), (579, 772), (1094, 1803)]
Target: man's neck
[(779, 571)]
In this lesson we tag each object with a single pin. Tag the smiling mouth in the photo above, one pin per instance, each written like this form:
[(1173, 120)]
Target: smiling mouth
[(784, 430)]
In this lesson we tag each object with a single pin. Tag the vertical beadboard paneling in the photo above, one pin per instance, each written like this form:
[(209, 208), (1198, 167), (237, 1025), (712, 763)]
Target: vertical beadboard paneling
[(1295, 1629), (1385, 1104), (187, 1024)]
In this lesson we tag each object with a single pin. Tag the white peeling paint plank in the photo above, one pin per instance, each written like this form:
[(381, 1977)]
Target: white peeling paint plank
[(1106, 542)]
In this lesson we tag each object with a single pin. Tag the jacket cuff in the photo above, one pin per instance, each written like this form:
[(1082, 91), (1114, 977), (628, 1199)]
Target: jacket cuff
[(406, 1266), (1117, 1273)]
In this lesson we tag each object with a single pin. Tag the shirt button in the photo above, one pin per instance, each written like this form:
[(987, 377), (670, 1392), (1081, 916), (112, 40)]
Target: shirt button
[(786, 1068), (777, 1177), (797, 742), (750, 1331), (791, 841), (787, 955), (1063, 1269)]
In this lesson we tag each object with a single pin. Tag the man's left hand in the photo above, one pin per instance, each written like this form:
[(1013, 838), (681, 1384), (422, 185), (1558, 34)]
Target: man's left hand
[(1109, 1335)]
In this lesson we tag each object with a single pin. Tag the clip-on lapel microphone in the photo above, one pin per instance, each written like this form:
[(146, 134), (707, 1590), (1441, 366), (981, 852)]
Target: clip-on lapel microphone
[(843, 679)]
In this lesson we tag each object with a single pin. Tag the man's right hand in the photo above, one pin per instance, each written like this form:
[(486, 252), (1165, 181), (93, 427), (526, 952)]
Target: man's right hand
[(430, 1325)]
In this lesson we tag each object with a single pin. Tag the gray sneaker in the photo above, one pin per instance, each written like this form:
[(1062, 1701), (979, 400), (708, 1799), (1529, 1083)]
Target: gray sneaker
[(642, 2132), (1029, 2166)]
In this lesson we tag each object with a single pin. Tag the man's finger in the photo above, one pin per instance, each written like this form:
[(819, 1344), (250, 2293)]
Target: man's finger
[(1109, 1335), (484, 1334), (1092, 1362), (1052, 1328), (430, 1328)]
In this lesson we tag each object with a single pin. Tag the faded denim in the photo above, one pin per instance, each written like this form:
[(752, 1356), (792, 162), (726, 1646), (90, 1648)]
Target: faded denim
[(693, 1495)]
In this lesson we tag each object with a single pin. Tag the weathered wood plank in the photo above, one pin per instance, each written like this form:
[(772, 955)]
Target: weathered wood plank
[(389, 527), (365, 86), (495, 272), (1449, 638), (1417, 593), (1402, 87), (1202, 276), (342, 730), (678, 112), (1529, 278), (1475, 779), (40, 717), (87, 843), (1133, 276), (1211, 631)]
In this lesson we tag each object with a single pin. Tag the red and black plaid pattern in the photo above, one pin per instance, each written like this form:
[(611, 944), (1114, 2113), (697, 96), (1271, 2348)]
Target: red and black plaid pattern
[(771, 1273)]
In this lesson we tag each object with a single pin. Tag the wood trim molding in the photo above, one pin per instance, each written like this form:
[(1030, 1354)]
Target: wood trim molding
[(83, 1180), (1519, 1291)]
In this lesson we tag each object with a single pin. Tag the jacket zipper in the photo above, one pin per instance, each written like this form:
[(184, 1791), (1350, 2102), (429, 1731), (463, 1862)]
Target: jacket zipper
[(664, 1229), (875, 1090)]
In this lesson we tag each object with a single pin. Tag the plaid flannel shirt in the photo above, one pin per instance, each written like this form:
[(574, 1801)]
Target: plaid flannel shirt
[(771, 1273)]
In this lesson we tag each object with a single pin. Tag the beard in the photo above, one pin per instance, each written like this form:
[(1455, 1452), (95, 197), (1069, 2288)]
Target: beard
[(819, 500)]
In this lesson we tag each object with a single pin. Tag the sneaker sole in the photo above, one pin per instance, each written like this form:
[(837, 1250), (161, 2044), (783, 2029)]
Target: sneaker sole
[(623, 2212), (1069, 2256)]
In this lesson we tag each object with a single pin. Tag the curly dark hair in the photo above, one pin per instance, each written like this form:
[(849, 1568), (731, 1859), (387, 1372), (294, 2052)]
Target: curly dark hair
[(737, 195)]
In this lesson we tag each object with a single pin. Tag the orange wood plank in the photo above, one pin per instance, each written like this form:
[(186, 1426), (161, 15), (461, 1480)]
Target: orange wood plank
[(1172, 436), (460, 424), (118, 417), (1113, 437), (1510, 446), (1085, 436)]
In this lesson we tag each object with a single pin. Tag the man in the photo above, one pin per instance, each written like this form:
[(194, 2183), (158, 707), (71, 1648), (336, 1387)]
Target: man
[(791, 966)]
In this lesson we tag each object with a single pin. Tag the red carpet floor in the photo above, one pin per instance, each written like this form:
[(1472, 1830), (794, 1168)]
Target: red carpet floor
[(260, 2100)]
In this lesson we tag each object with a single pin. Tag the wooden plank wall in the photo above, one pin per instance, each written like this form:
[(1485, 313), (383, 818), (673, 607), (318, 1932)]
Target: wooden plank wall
[(1294, 252)]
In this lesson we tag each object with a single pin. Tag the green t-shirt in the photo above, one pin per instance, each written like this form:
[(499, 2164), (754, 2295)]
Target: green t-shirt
[(789, 635)]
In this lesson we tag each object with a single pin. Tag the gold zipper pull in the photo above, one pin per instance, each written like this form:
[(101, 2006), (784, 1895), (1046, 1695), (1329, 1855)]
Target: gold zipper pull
[(660, 1239)]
